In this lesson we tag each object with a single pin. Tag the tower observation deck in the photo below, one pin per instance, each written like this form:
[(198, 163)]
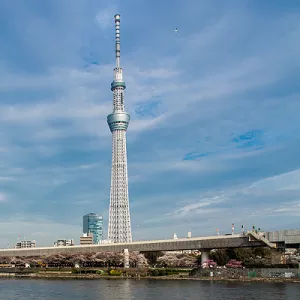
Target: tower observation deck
[(119, 225)]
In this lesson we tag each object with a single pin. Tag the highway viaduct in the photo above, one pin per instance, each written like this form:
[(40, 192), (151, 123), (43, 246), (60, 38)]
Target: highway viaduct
[(204, 244), (289, 238)]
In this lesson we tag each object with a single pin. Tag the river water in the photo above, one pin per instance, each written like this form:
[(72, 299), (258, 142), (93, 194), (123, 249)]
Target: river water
[(30, 289)]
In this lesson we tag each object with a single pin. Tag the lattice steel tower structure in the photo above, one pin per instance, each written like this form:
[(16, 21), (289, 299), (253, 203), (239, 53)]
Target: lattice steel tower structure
[(119, 226)]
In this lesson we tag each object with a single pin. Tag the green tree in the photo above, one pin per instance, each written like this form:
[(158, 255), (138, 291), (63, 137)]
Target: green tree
[(231, 253), (243, 254), (262, 252), (152, 256), (198, 260), (154, 272), (219, 256)]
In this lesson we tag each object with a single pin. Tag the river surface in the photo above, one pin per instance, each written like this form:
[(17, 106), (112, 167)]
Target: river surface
[(30, 289)]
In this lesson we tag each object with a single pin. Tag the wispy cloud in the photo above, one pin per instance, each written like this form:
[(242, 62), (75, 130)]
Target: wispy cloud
[(104, 16), (3, 178), (2, 197), (291, 209), (201, 207), (214, 109), (45, 234)]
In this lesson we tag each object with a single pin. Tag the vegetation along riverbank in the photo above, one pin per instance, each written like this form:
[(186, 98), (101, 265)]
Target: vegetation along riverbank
[(257, 264), (242, 275)]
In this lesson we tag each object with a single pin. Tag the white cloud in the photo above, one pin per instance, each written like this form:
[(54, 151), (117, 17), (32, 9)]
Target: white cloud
[(285, 181), (258, 202), (141, 125), (158, 73), (83, 105), (5, 178), (2, 197), (42, 230), (211, 94), (197, 208), (104, 16), (288, 209), (171, 162)]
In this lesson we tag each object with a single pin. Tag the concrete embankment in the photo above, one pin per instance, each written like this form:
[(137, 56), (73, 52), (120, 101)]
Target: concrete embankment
[(248, 273), (107, 277)]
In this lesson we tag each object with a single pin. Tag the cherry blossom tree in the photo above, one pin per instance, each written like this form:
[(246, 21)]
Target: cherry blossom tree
[(173, 260), (67, 259)]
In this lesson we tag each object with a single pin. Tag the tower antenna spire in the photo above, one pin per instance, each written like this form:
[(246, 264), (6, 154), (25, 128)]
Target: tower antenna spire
[(117, 33), (119, 225)]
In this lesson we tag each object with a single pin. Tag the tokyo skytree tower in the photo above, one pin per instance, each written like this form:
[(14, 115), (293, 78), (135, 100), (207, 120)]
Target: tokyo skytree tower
[(119, 226)]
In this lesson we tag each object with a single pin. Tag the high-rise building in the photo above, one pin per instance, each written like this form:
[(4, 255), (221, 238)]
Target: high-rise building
[(119, 226), (93, 223)]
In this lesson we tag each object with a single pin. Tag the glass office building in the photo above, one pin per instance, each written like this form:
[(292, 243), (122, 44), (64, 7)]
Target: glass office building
[(93, 223)]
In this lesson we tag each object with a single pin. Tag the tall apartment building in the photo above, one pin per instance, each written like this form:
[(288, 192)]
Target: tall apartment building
[(93, 223)]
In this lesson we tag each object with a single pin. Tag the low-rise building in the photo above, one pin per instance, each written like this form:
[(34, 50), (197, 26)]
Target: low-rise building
[(86, 239), (26, 244), (64, 243), (105, 242)]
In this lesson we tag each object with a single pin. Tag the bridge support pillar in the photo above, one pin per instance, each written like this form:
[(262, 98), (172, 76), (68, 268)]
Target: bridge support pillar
[(204, 256), (126, 258)]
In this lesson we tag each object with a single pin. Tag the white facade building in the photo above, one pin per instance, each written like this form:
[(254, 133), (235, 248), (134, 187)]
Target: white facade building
[(64, 243), (26, 244)]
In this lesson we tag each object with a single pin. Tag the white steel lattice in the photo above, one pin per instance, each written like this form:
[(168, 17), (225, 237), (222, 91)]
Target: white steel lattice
[(119, 229), (119, 226)]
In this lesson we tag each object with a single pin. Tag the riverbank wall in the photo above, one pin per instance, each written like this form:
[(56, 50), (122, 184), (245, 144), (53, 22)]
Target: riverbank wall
[(239, 274), (12, 276), (235, 273)]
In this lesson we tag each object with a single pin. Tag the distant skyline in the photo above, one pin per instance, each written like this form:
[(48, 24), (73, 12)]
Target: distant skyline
[(213, 138)]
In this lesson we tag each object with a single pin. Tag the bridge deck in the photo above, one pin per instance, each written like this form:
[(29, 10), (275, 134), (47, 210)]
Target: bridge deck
[(197, 243)]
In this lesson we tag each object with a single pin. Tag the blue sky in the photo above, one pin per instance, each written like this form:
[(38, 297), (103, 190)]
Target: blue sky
[(214, 108)]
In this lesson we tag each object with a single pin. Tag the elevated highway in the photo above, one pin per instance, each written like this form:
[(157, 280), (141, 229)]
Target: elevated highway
[(283, 239), (196, 243)]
